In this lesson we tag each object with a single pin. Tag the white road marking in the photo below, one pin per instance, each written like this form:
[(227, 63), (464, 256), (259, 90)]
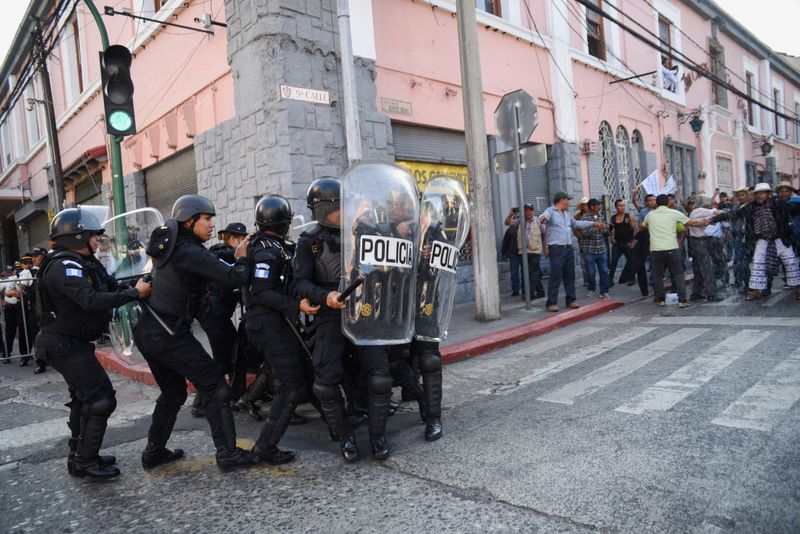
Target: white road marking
[(54, 429), (573, 359), (558, 365), (726, 320), (776, 298), (668, 392), (602, 377), (764, 404)]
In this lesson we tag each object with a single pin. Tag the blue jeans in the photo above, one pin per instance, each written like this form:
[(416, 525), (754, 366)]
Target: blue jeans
[(515, 264), (562, 267), (594, 263)]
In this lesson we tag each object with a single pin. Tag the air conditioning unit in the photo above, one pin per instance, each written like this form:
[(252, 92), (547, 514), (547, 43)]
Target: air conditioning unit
[(589, 147)]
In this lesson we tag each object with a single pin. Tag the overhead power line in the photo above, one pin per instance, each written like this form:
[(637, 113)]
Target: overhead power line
[(687, 63)]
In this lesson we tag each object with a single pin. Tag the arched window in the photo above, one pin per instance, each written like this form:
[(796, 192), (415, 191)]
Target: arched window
[(637, 157), (607, 153), (623, 167)]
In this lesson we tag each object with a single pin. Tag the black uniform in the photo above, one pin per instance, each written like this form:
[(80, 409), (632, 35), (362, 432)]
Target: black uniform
[(76, 296), (177, 288), (29, 323), (269, 304), (216, 312), (317, 271)]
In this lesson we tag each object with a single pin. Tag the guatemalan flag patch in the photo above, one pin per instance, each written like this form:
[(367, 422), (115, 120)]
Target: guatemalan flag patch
[(262, 270), (74, 272)]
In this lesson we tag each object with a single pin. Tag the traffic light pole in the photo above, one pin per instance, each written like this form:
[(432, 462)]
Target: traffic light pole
[(117, 185)]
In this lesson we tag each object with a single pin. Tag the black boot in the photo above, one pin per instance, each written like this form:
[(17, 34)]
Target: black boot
[(106, 459), (155, 455), (272, 456), (223, 432), (350, 449), (229, 459), (87, 463), (433, 429), (380, 449)]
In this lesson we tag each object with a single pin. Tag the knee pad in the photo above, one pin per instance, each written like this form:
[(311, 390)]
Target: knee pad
[(326, 392), (430, 362), (102, 407), (379, 383)]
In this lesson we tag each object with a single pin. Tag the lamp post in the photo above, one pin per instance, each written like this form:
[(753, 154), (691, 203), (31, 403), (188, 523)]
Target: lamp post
[(697, 124)]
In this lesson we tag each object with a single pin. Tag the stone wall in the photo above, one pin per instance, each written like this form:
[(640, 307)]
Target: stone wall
[(281, 146)]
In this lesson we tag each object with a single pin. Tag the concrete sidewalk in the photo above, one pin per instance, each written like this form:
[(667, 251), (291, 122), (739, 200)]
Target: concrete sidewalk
[(467, 336)]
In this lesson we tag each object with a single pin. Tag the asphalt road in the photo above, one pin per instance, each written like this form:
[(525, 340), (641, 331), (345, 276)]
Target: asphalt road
[(645, 419)]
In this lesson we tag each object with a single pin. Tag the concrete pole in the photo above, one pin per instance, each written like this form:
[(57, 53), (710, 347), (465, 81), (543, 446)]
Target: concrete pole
[(352, 126), (54, 151), (484, 255)]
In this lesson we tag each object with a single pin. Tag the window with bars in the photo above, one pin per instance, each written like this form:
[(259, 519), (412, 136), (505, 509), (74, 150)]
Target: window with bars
[(607, 153), (751, 169), (680, 162), (718, 92), (595, 33), (750, 84), (637, 149), (724, 174), (623, 167)]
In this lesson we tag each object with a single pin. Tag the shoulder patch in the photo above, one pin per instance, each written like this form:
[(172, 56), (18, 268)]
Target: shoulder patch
[(262, 270), (74, 272), (73, 263)]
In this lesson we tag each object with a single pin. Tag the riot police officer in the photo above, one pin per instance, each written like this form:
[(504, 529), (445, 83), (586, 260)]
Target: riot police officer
[(182, 267), (270, 308), (75, 297), (318, 274), (219, 303)]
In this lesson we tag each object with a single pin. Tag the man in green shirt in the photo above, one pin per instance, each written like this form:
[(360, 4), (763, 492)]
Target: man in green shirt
[(664, 224)]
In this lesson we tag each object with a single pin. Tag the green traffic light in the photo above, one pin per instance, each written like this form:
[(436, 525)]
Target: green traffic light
[(120, 121)]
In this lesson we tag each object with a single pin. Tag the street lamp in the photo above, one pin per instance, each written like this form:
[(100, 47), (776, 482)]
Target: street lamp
[(766, 148), (696, 123)]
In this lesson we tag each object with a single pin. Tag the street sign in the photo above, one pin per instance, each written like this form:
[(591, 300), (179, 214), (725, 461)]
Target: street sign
[(522, 105), (529, 156), (515, 119)]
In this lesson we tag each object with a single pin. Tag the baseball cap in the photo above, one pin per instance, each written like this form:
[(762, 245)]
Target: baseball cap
[(561, 195), (235, 228), (528, 206)]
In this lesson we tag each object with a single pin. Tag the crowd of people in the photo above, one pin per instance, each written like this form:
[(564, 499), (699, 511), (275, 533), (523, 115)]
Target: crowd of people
[(18, 308), (757, 231)]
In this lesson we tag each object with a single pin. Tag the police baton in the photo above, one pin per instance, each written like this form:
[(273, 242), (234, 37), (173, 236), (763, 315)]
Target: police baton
[(349, 289), (298, 336), (148, 278)]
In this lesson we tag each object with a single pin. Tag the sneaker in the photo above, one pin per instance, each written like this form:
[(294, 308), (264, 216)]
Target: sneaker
[(573, 305), (591, 294), (604, 295), (552, 308), (684, 304), (660, 302)]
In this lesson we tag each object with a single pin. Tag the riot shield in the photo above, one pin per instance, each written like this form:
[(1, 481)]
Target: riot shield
[(444, 225), (379, 214), (121, 250)]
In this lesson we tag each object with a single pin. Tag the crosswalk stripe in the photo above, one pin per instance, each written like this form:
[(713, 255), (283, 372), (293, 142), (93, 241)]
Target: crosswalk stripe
[(776, 298), (56, 428), (556, 366), (668, 392), (602, 377), (764, 404), (726, 320), (558, 340)]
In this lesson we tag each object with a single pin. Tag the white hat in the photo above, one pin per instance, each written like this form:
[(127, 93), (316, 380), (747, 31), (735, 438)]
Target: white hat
[(584, 200), (763, 186)]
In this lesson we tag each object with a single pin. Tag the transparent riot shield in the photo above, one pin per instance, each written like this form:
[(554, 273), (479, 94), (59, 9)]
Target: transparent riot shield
[(121, 250), (444, 225), (380, 214)]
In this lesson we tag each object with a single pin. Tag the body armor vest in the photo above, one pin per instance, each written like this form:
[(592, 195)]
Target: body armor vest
[(174, 293), (327, 249)]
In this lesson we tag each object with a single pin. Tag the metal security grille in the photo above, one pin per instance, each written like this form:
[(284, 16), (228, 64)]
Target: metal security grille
[(89, 191), (38, 230), (680, 162), (415, 143), (623, 166), (170, 179), (607, 152)]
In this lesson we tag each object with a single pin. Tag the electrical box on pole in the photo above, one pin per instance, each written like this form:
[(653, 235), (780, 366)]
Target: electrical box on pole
[(115, 71)]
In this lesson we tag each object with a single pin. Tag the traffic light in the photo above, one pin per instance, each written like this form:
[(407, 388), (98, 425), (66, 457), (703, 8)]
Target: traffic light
[(115, 69)]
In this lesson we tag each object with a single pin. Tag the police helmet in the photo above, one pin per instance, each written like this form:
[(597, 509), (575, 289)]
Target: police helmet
[(73, 227), (323, 197), (274, 213), (189, 206)]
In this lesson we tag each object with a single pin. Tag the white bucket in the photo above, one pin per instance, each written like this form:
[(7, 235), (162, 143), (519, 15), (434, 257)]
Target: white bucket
[(671, 299)]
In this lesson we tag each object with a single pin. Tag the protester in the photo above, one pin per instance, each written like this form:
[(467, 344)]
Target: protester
[(743, 244), (663, 223), (510, 250), (580, 210), (649, 203), (536, 290), (595, 250), (621, 230), (558, 227), (704, 282)]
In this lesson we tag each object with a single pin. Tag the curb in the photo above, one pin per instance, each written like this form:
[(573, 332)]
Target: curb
[(450, 354), (503, 338)]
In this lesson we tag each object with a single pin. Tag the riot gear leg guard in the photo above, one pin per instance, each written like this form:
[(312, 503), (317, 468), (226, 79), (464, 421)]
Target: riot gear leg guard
[(280, 415), (166, 412), (379, 386), (333, 410), (223, 429), (430, 364), (93, 428)]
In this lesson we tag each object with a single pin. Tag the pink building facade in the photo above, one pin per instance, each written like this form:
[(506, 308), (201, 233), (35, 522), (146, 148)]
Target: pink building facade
[(211, 117)]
